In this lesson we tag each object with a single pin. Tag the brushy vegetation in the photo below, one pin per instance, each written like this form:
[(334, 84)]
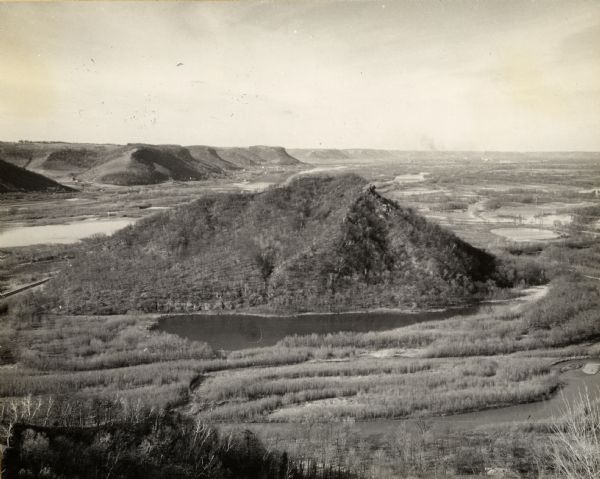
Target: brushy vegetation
[(101, 357), (120, 356), (153, 445), (576, 439), (370, 388), (76, 343), (564, 316), (585, 218), (116, 356), (338, 375), (419, 448)]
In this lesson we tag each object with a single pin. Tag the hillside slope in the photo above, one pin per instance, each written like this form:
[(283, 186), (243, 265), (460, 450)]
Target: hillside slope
[(273, 155), (33, 155), (14, 178), (241, 157), (73, 160), (144, 165), (258, 156), (208, 157), (319, 243)]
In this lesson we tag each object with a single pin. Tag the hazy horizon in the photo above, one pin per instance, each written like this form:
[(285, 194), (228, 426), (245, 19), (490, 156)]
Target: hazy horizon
[(308, 148), (513, 76)]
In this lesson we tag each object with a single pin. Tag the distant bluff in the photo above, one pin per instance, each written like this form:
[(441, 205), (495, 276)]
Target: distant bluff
[(139, 164), (142, 165), (149, 164), (16, 179), (318, 243)]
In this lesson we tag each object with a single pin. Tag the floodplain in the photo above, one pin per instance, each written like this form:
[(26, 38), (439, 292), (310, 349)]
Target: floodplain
[(453, 393)]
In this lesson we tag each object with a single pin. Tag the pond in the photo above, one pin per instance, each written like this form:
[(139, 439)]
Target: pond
[(59, 234), (238, 331)]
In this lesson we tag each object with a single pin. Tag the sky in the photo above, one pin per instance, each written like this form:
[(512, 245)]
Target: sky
[(410, 75)]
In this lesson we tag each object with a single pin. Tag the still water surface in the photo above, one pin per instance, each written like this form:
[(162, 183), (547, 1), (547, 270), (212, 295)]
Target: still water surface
[(59, 234), (237, 331)]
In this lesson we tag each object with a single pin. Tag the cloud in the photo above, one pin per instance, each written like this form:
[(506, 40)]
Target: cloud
[(582, 46), (468, 74)]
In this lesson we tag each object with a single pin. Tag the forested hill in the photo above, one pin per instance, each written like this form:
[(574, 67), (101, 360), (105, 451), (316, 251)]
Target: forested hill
[(318, 243)]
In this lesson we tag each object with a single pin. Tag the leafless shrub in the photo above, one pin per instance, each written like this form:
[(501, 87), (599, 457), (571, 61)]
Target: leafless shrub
[(576, 442)]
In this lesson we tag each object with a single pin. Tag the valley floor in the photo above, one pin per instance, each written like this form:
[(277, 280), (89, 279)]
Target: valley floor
[(458, 396)]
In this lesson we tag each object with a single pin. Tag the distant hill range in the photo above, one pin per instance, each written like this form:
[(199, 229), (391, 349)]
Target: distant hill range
[(317, 243), (331, 155), (139, 164), (14, 179), (317, 155)]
